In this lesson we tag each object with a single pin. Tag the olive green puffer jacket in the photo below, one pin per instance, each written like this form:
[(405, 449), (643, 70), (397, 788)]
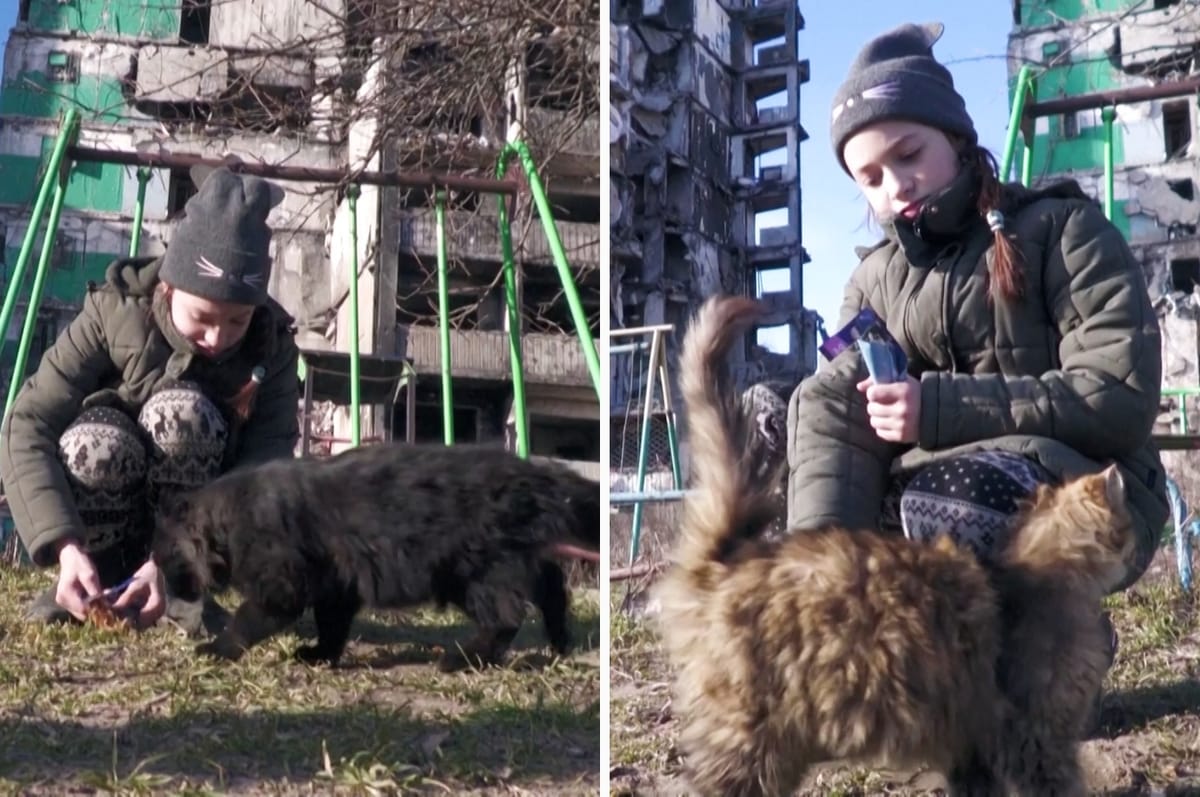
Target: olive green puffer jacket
[(117, 352), (1068, 374)]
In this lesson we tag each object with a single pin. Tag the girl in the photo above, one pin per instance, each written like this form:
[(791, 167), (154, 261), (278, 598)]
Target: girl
[(1033, 351), (175, 370)]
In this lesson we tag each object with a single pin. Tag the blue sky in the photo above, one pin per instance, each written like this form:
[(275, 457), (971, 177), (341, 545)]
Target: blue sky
[(833, 213)]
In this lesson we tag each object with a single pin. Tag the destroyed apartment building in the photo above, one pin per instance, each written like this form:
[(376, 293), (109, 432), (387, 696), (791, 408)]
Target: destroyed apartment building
[(705, 193), (319, 85), (1079, 50)]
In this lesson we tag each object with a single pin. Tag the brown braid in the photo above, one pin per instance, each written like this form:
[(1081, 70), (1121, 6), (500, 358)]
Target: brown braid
[(242, 402), (1007, 278)]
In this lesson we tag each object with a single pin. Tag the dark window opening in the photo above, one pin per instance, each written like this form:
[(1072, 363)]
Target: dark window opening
[(416, 198), (23, 11), (1177, 128), (557, 83), (583, 209), (565, 438), (1070, 125), (1184, 188), (1185, 274), (194, 21), (180, 189), (429, 424), (1161, 4), (1016, 12)]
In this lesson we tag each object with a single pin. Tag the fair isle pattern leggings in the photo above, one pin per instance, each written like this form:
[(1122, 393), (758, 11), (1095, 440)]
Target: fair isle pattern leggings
[(118, 469), (972, 497)]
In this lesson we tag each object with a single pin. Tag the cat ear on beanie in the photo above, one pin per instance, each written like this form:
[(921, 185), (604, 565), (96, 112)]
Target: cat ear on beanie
[(220, 249), (896, 76)]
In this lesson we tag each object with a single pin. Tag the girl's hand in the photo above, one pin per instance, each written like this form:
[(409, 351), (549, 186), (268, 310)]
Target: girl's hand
[(78, 580), (145, 597), (894, 410)]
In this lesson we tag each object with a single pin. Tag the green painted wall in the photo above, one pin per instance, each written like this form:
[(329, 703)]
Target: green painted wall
[(92, 186), (35, 94), (145, 20), (1035, 13), (66, 281)]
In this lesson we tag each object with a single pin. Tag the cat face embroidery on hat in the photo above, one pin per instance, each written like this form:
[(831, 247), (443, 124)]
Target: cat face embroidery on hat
[(210, 270), (889, 90)]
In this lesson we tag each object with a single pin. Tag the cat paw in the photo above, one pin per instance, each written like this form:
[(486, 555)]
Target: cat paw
[(457, 660), (219, 649), (313, 654)]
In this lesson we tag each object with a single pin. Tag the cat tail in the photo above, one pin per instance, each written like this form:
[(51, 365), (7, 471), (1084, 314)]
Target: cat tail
[(726, 503)]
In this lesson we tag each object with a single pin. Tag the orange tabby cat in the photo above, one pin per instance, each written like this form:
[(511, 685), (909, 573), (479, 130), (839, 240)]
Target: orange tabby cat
[(838, 644)]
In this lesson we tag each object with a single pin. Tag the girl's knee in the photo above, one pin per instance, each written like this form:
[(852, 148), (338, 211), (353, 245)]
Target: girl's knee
[(103, 449)]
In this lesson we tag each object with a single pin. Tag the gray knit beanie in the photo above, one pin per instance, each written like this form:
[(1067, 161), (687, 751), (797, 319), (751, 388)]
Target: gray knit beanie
[(220, 250), (895, 76)]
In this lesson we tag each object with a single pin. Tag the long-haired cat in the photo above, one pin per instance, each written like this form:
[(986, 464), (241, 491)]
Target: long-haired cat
[(838, 644)]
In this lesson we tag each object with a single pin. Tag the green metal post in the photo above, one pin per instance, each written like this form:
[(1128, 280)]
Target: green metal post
[(514, 329), (1108, 115), (635, 537), (1014, 120), (66, 135), (536, 188), (135, 240), (39, 282), (352, 194), (439, 206)]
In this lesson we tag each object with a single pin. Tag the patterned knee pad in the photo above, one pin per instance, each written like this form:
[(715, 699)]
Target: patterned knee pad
[(973, 498), (105, 459), (187, 439)]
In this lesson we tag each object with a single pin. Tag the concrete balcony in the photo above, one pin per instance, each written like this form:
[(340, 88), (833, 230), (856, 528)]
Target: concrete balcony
[(476, 236), (477, 354)]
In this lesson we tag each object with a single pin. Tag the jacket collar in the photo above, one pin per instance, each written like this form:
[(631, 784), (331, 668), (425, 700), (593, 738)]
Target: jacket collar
[(946, 218)]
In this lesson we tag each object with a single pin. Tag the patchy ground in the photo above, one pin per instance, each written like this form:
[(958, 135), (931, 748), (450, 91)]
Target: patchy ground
[(86, 711), (1147, 743)]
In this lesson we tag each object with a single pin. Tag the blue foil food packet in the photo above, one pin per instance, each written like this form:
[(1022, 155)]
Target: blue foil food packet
[(886, 362)]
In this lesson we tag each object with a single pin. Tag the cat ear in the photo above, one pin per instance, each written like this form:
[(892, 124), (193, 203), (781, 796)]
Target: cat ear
[(1114, 486)]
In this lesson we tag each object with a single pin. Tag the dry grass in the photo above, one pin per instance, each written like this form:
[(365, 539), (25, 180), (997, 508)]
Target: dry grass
[(1147, 743), (90, 711)]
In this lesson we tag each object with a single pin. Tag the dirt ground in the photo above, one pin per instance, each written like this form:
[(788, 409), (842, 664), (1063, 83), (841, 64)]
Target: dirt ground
[(1147, 742), (89, 711)]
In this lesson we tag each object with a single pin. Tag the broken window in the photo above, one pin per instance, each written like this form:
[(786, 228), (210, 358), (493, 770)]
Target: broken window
[(774, 340), (23, 11), (62, 67), (772, 278), (1185, 274), (1177, 128), (1184, 188), (195, 19), (1161, 4)]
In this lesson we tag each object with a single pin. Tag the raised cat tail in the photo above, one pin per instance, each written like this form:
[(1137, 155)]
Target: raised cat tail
[(725, 504)]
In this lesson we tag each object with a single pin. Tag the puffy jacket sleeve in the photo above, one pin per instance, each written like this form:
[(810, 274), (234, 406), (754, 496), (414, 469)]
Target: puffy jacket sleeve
[(1103, 399), (35, 483), (838, 466), (272, 429)]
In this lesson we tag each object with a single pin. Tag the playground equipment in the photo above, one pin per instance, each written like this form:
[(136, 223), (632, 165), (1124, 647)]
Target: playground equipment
[(383, 379), (65, 154), (655, 378)]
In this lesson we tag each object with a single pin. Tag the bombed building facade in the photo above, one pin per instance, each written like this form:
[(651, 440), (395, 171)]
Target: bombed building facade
[(705, 139)]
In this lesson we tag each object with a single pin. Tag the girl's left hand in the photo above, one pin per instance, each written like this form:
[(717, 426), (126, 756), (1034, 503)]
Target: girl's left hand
[(894, 410), (145, 595)]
